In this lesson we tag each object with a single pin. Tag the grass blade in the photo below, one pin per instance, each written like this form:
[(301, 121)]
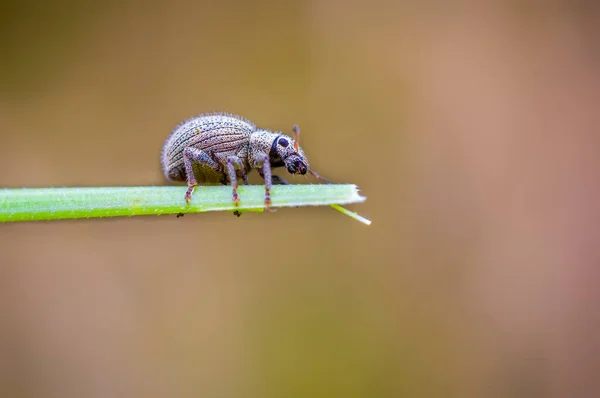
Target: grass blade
[(31, 204), (352, 214)]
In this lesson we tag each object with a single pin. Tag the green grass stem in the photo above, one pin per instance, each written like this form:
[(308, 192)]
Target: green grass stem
[(34, 204)]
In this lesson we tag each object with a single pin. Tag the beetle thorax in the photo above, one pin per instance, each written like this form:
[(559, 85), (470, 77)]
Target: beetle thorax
[(261, 142), (280, 149)]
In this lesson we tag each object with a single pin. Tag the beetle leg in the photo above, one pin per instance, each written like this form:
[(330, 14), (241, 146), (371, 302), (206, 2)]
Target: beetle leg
[(234, 164), (262, 163), (191, 155), (279, 181)]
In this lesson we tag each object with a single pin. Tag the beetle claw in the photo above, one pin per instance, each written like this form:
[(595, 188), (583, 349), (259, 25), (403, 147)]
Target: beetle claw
[(188, 193), (267, 199)]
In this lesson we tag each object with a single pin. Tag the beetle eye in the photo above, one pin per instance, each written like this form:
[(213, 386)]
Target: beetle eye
[(283, 142)]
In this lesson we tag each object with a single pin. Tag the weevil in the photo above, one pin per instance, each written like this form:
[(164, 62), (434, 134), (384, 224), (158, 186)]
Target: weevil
[(221, 147)]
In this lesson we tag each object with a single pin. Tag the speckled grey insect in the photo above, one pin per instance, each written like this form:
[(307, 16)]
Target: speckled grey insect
[(218, 147)]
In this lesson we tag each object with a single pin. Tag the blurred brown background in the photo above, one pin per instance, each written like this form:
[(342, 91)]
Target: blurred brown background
[(471, 127)]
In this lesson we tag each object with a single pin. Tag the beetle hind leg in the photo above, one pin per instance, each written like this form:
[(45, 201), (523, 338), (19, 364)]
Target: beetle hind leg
[(235, 166), (193, 155)]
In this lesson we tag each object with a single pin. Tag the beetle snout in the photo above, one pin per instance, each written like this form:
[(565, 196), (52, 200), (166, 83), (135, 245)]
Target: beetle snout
[(297, 166), (301, 167)]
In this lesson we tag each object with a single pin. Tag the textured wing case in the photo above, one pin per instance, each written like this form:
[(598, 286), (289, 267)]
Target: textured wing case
[(216, 134)]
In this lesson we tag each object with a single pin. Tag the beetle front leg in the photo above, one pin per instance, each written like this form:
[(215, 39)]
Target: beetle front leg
[(191, 155), (262, 163), (235, 165), (276, 180)]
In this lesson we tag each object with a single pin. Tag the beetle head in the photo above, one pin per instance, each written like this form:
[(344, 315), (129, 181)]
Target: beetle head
[(285, 151)]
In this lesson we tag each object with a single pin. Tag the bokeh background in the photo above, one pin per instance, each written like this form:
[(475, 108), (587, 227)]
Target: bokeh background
[(472, 128)]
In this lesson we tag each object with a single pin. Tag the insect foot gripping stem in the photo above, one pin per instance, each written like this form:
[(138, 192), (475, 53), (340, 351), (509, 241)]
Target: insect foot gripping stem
[(188, 193)]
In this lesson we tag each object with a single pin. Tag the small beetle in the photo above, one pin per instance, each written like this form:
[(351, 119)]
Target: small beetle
[(216, 147)]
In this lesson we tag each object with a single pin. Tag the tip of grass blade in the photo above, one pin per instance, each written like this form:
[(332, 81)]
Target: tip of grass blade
[(355, 216)]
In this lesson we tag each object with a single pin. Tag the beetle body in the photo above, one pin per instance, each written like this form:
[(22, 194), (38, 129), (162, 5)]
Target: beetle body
[(220, 147)]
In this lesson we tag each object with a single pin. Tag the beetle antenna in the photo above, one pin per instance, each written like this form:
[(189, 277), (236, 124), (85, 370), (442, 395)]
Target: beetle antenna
[(318, 176), (296, 131)]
